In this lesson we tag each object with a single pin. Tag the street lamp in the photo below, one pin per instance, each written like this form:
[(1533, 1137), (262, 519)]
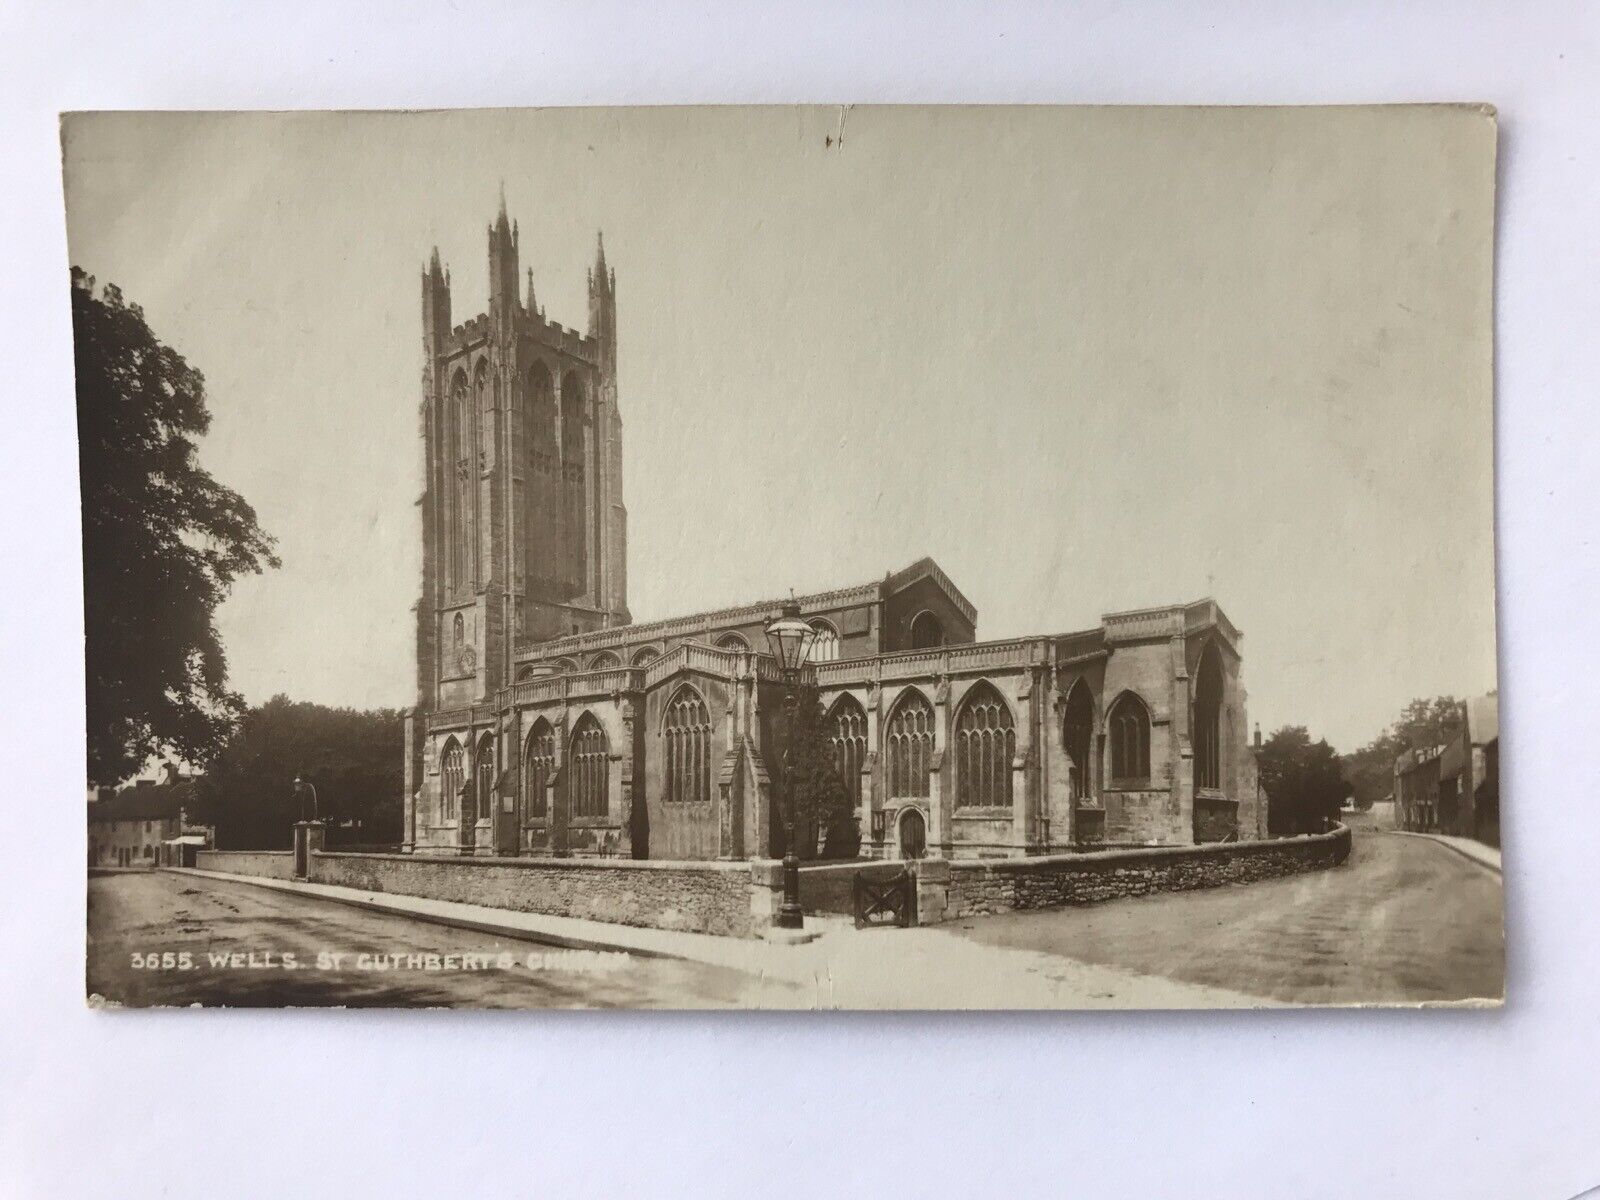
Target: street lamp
[(790, 638), (301, 787)]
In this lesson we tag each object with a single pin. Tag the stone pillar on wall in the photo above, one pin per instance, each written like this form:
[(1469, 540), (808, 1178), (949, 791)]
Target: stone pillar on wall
[(933, 890), (766, 891), (308, 841)]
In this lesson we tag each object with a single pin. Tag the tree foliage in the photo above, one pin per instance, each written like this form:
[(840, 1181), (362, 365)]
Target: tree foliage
[(354, 758), (1422, 723), (162, 543), (824, 812), (1304, 783)]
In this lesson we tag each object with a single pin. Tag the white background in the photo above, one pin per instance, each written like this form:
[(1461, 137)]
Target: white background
[(1306, 1104)]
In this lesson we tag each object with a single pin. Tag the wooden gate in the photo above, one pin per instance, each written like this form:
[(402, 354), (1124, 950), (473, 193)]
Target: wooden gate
[(891, 901)]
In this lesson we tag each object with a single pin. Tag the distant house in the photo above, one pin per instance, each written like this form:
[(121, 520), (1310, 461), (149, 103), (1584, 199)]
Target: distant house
[(143, 824), (1454, 788)]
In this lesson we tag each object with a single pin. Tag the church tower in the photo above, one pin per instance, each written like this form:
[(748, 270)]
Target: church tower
[(523, 524)]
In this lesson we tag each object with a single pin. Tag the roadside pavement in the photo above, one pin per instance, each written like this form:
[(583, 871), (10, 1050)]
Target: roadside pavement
[(1484, 856), (920, 968)]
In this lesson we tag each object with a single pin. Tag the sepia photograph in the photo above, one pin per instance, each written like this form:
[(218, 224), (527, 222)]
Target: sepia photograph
[(836, 557)]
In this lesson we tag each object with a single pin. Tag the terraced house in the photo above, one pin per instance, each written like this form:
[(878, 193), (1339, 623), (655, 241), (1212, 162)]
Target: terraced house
[(549, 723)]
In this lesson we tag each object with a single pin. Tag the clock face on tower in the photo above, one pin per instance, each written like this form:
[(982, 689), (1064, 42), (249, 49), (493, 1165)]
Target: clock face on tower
[(467, 660)]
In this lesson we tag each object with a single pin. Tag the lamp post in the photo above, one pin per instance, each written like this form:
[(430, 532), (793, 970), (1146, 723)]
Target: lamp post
[(301, 787), (790, 638)]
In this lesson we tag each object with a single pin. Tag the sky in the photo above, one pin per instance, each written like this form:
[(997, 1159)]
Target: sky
[(1088, 359)]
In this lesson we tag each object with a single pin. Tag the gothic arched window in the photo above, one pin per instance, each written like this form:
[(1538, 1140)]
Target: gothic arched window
[(686, 729), (1129, 726), (482, 391), (644, 655), (483, 779), (1077, 735), (926, 631), (572, 419), (1208, 719), (538, 765), (908, 742), (847, 734), (452, 774), (826, 646), (574, 470), (588, 759), (604, 661), (986, 742), (458, 629), (539, 417), (732, 641), (459, 475)]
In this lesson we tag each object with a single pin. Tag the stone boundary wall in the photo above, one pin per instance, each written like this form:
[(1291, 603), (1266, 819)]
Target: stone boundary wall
[(830, 888), (713, 897), (1055, 881), (274, 864)]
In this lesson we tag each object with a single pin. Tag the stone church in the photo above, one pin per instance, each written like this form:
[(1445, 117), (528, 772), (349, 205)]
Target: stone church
[(549, 723)]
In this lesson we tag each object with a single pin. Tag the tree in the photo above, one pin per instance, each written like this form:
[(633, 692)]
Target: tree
[(1428, 722), (1422, 724), (162, 544), (1304, 783), (355, 759), (822, 805)]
